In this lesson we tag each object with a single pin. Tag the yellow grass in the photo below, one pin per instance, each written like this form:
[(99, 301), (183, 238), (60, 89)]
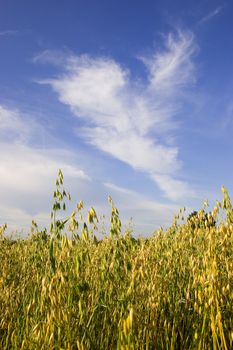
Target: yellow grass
[(173, 290)]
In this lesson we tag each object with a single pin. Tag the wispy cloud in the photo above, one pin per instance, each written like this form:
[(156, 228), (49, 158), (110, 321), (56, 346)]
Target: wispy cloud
[(27, 171), (27, 176), (8, 32), (57, 58), (131, 120), (12, 126), (32, 170), (212, 14)]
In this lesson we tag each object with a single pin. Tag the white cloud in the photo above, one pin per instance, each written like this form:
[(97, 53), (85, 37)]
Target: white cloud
[(11, 125), (174, 189), (25, 166), (130, 120), (27, 175), (55, 57), (212, 14), (27, 169), (171, 69), (27, 172), (20, 127), (140, 152)]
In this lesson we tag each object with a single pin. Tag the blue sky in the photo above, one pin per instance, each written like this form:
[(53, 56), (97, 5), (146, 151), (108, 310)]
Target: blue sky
[(129, 98)]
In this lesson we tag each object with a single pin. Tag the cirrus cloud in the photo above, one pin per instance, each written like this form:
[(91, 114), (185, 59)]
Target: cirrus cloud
[(131, 120)]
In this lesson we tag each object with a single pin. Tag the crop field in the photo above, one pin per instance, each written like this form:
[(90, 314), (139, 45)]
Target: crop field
[(66, 289)]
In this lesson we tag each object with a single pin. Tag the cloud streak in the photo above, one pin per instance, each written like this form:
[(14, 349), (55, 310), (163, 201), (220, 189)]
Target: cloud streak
[(132, 120), (8, 32), (210, 15)]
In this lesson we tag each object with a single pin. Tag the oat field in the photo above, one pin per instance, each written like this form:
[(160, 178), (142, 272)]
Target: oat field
[(66, 289)]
